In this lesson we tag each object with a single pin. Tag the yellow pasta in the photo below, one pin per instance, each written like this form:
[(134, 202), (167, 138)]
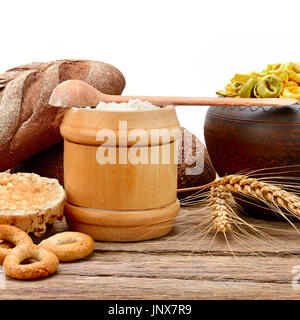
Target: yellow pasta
[(291, 92), (269, 86), (277, 80), (293, 70), (276, 68)]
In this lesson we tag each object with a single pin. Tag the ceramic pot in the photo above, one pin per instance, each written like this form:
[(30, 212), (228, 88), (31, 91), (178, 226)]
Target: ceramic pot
[(249, 138)]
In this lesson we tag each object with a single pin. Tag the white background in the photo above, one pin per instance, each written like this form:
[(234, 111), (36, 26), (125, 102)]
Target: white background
[(163, 47)]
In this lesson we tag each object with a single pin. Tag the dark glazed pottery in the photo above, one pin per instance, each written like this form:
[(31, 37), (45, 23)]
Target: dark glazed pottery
[(247, 138)]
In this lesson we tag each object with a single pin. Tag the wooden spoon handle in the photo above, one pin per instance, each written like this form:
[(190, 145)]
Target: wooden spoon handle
[(77, 93), (198, 101)]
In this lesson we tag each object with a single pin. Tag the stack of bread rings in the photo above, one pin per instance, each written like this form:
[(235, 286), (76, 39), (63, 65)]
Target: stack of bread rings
[(62, 247)]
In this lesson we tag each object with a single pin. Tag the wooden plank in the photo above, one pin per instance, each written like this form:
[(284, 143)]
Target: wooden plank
[(187, 237), (91, 288), (193, 267), (175, 267), (143, 274)]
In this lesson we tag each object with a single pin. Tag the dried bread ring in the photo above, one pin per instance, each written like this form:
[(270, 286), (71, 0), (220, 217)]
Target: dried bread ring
[(45, 265), (6, 244), (13, 235), (69, 246)]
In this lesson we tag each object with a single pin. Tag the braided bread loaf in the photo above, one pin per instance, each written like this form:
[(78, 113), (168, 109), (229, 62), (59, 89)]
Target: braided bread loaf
[(28, 124)]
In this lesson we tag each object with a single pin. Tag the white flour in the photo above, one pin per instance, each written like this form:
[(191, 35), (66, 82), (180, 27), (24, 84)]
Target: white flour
[(131, 105)]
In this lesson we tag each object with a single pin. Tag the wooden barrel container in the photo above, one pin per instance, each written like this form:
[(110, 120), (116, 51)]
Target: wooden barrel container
[(241, 139), (120, 173)]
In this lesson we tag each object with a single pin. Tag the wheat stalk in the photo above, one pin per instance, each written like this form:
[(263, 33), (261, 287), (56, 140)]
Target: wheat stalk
[(224, 217), (224, 207), (266, 192)]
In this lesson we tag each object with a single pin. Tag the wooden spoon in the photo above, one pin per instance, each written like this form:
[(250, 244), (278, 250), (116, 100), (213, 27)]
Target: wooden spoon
[(77, 93)]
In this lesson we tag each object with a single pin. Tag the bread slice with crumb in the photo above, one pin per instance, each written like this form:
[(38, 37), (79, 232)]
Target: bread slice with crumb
[(30, 202)]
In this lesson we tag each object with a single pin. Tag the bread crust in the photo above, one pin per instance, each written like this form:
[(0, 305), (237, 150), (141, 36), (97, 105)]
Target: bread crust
[(196, 149), (28, 124), (48, 163)]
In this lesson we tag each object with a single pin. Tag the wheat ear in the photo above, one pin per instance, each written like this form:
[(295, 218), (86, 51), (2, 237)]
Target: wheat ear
[(219, 200), (264, 191)]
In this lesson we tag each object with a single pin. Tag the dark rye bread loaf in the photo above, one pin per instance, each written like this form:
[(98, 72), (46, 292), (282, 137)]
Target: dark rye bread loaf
[(28, 124), (49, 163), (193, 154)]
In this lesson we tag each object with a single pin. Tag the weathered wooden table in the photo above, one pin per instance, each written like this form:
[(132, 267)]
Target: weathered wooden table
[(178, 266)]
